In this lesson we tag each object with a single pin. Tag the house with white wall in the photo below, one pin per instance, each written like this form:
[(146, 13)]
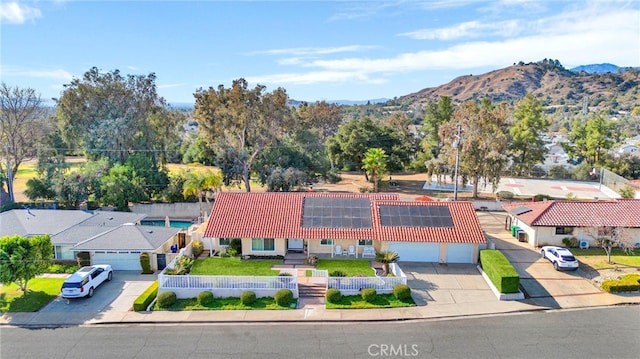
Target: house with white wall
[(548, 222), (344, 225)]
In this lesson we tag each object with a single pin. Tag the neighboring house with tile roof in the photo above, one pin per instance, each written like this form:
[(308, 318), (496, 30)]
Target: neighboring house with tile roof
[(345, 224), (115, 238), (548, 222)]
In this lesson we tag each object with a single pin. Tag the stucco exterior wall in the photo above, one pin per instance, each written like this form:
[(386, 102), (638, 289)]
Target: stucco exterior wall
[(279, 248)]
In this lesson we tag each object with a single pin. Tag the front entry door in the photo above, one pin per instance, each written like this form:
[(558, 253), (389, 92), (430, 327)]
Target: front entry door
[(295, 244)]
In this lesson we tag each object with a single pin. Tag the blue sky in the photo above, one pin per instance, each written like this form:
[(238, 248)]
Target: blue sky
[(316, 50)]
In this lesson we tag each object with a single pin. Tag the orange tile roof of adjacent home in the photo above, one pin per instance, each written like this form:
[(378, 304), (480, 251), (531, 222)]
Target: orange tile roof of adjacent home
[(614, 213), (279, 215)]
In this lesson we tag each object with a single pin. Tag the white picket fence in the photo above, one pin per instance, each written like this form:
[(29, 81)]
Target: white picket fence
[(353, 285)]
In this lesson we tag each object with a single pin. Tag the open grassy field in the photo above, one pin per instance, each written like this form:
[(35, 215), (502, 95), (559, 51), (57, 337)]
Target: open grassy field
[(597, 257)]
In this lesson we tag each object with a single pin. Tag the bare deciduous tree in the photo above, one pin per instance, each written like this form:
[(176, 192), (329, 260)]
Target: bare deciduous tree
[(22, 128)]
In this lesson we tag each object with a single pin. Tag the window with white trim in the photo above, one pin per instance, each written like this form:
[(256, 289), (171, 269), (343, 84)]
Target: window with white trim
[(326, 242), (263, 244), (365, 242), (224, 241)]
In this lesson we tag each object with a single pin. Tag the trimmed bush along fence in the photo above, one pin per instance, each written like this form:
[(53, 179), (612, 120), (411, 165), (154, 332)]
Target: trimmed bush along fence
[(502, 277)]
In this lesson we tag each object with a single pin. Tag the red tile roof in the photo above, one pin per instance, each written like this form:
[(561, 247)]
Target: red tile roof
[(279, 215), (615, 213), (466, 227)]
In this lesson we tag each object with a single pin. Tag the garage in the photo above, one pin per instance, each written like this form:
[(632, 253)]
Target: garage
[(460, 253), (122, 260), (416, 252)]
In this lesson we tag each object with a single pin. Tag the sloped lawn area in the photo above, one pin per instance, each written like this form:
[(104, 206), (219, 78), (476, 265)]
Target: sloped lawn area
[(224, 304), (352, 268), (597, 257), (40, 291), (234, 266), (381, 301)]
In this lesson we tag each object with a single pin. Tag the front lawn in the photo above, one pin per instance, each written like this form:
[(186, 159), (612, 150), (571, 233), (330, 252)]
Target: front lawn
[(381, 301), (224, 304), (352, 268), (597, 257), (40, 291), (234, 266)]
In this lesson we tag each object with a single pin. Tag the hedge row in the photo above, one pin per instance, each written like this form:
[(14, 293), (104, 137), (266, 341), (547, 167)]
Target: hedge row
[(500, 271), (627, 283), (142, 302)]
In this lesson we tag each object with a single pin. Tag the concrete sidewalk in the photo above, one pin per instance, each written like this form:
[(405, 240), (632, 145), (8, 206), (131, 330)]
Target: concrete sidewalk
[(319, 314)]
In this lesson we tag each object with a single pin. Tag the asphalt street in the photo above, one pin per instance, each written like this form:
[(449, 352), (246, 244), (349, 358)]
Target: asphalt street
[(586, 333)]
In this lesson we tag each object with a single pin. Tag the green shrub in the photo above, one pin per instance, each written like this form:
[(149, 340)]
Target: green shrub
[(627, 283), (542, 197), (224, 254), (145, 263), (337, 273), (368, 294), (236, 244), (166, 299), (283, 297), (232, 252), (570, 242), (84, 259), (142, 302), (505, 195), (205, 298), (197, 247), (500, 271), (248, 298), (183, 266), (402, 292), (333, 295)]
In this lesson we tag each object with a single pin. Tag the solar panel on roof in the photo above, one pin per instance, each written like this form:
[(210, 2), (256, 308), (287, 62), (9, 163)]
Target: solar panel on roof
[(520, 210), (416, 216), (331, 212)]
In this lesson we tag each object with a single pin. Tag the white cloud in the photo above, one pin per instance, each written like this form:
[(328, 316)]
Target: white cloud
[(14, 13), (471, 29), (577, 38), (54, 74), (306, 51), (313, 77), (168, 86)]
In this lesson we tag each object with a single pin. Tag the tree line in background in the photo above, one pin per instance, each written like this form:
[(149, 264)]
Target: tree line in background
[(129, 134)]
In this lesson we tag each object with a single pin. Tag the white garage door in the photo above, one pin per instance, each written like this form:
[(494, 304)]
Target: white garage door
[(459, 253), (416, 252), (119, 261)]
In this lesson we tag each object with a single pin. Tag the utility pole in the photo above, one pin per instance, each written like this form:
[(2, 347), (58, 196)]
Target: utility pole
[(456, 144)]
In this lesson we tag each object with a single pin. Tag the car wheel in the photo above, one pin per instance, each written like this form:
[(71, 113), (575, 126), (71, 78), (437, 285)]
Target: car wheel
[(90, 292), (555, 265), (110, 276), (543, 256)]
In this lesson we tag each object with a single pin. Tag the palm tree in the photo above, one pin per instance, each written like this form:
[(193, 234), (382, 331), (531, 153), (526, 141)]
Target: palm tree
[(375, 164), (386, 258), (199, 183)]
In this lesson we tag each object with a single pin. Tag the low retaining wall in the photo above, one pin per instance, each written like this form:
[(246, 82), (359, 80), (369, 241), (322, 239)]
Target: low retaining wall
[(500, 296)]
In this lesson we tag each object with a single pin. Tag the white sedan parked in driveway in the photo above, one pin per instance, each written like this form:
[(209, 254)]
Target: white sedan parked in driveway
[(561, 257)]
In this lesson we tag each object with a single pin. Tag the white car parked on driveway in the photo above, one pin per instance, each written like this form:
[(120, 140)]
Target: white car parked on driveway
[(561, 257), (83, 282)]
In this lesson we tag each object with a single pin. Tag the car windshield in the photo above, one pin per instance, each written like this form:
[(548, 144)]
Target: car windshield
[(568, 258)]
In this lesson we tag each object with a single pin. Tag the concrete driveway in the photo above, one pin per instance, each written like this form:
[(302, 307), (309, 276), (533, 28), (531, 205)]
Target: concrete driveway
[(434, 283), (538, 278), (116, 296)]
